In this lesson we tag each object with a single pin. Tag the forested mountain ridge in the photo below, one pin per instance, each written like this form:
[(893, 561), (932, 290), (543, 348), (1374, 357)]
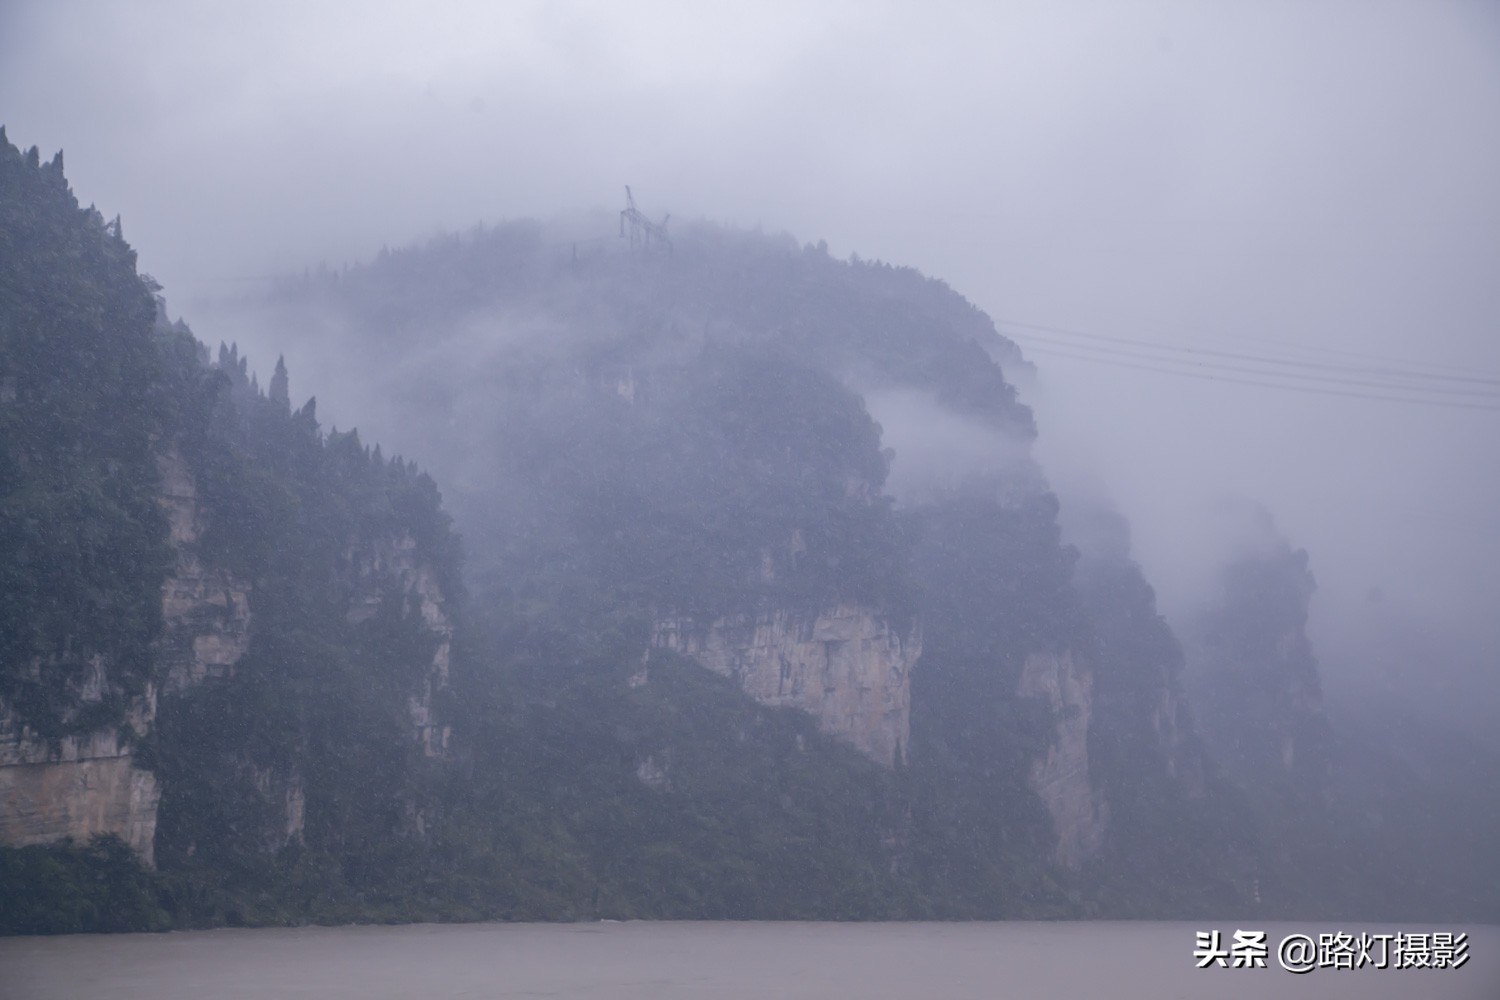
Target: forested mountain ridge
[(217, 618), (1367, 811), (703, 441), (763, 610)]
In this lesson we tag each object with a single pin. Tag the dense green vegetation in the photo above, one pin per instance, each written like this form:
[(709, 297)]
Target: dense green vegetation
[(675, 795), (98, 390), (690, 436), (82, 541), (66, 888), (318, 706), (994, 583), (683, 501), (1266, 700), (1183, 839)]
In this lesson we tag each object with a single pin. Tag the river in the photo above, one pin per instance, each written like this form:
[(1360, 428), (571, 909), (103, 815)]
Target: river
[(723, 961)]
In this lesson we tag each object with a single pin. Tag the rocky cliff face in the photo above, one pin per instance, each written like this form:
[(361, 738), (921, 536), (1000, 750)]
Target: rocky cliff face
[(1061, 776), (1264, 710), (205, 611), (78, 786), (1255, 678), (846, 666), (1171, 724), (86, 784), (398, 561)]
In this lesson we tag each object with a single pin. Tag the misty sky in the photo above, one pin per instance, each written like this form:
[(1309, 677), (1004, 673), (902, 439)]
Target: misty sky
[(1292, 178)]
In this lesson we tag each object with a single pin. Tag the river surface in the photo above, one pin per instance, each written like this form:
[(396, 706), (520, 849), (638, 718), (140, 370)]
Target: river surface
[(719, 961)]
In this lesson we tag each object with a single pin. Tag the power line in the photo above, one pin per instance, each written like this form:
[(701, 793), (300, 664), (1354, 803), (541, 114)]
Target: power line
[(1259, 359), (1313, 390), (1338, 352), (1444, 390)]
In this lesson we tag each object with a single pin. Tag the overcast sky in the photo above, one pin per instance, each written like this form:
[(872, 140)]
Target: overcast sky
[(1263, 179)]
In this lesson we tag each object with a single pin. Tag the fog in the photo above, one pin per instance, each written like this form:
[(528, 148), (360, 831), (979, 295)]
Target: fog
[(935, 450), (1310, 183)]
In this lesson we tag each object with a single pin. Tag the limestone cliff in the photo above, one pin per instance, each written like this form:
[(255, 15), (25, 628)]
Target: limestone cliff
[(205, 611), (1061, 776), (81, 785), (91, 783), (847, 666), (398, 562)]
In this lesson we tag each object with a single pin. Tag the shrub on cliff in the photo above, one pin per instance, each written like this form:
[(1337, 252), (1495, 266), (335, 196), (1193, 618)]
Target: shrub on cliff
[(67, 888)]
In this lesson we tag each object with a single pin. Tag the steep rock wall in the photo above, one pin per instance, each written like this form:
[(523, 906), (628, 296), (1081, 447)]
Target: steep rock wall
[(398, 561), (89, 783), (78, 786), (846, 666), (1261, 711), (1171, 724), (1061, 776), (1253, 674), (205, 611)]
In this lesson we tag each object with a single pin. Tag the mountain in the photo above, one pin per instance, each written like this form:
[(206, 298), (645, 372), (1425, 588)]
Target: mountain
[(1359, 807), (712, 443), (225, 632), (763, 607)]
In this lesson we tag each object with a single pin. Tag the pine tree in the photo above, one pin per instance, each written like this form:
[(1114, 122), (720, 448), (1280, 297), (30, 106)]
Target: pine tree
[(279, 391)]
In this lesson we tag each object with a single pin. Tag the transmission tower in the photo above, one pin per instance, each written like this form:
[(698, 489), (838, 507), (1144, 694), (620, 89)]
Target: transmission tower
[(645, 235)]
